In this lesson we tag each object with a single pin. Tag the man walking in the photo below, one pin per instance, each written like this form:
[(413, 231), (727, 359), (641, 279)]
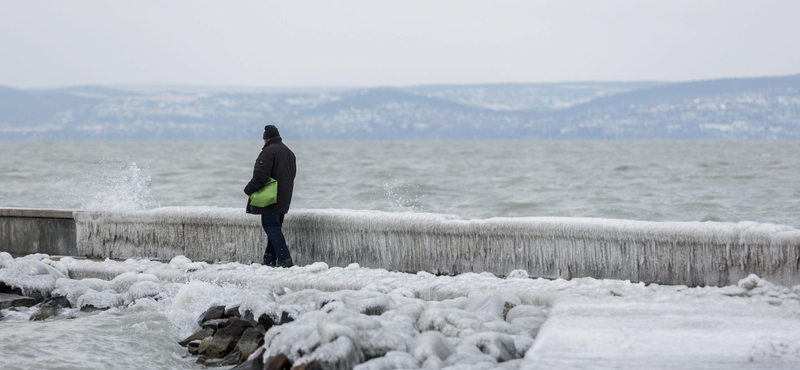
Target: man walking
[(276, 161)]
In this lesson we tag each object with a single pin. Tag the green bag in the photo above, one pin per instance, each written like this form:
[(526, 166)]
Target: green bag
[(267, 195)]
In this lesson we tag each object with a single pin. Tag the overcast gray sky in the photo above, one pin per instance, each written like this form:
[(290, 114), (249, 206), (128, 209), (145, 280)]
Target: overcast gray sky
[(364, 43)]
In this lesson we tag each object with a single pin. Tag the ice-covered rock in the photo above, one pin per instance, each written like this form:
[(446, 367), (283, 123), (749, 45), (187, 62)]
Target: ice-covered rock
[(470, 362), (36, 267), (179, 262), (392, 360), (97, 284), (27, 284), (71, 289), (525, 311), (433, 363), (529, 318), (450, 322), (94, 300), (750, 282), (341, 354), (315, 267), (488, 303), (58, 265), (368, 303), (431, 343), (121, 283), (144, 289), (518, 274), (366, 332), (296, 339), (500, 346), (6, 257), (522, 344)]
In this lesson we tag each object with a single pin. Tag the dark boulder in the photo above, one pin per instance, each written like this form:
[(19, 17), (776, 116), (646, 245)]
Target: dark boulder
[(37, 296), (231, 359), (44, 312), (248, 316), (8, 289), (194, 346), (198, 335), (216, 324), (203, 346), (255, 362), (266, 321), (58, 301), (279, 362), (249, 342), (49, 308), (14, 300), (212, 313), (90, 308), (232, 312), (285, 318), (225, 339)]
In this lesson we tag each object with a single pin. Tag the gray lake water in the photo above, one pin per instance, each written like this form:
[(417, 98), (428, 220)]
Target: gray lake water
[(643, 180)]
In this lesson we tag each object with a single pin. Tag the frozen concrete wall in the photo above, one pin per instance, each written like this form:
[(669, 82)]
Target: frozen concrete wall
[(25, 231), (690, 253)]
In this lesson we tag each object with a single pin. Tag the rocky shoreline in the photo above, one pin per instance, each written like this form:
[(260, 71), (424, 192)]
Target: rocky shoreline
[(256, 317), (263, 326), (228, 337)]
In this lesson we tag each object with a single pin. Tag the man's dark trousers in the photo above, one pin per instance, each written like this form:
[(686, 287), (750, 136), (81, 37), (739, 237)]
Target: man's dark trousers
[(276, 251)]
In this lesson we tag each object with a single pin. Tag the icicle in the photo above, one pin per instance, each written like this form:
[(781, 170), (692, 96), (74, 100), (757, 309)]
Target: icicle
[(690, 253)]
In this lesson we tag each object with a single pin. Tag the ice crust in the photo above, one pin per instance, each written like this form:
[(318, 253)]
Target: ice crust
[(373, 318), (689, 253)]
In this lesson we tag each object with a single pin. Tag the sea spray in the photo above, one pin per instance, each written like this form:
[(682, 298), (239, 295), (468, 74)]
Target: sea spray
[(121, 189), (100, 186), (403, 198)]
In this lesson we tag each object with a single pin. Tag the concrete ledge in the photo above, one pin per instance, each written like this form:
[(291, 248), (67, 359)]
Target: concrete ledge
[(678, 253), (28, 230), (682, 253), (36, 213)]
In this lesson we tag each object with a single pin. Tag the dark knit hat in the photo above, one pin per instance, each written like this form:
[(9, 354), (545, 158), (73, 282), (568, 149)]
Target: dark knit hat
[(270, 131)]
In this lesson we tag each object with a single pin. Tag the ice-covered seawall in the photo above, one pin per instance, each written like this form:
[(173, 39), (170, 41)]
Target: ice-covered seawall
[(690, 253)]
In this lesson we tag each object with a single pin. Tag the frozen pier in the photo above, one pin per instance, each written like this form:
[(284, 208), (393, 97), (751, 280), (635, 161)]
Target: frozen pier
[(688, 253)]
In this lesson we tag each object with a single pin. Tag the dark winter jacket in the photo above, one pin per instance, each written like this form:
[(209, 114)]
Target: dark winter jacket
[(277, 161)]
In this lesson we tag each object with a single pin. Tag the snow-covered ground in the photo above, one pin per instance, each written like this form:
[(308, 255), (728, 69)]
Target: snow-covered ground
[(378, 319)]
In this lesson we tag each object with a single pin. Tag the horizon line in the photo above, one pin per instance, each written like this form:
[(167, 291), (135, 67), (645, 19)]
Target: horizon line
[(153, 85)]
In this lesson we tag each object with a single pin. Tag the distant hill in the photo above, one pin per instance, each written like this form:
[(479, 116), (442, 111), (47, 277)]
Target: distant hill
[(737, 108)]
